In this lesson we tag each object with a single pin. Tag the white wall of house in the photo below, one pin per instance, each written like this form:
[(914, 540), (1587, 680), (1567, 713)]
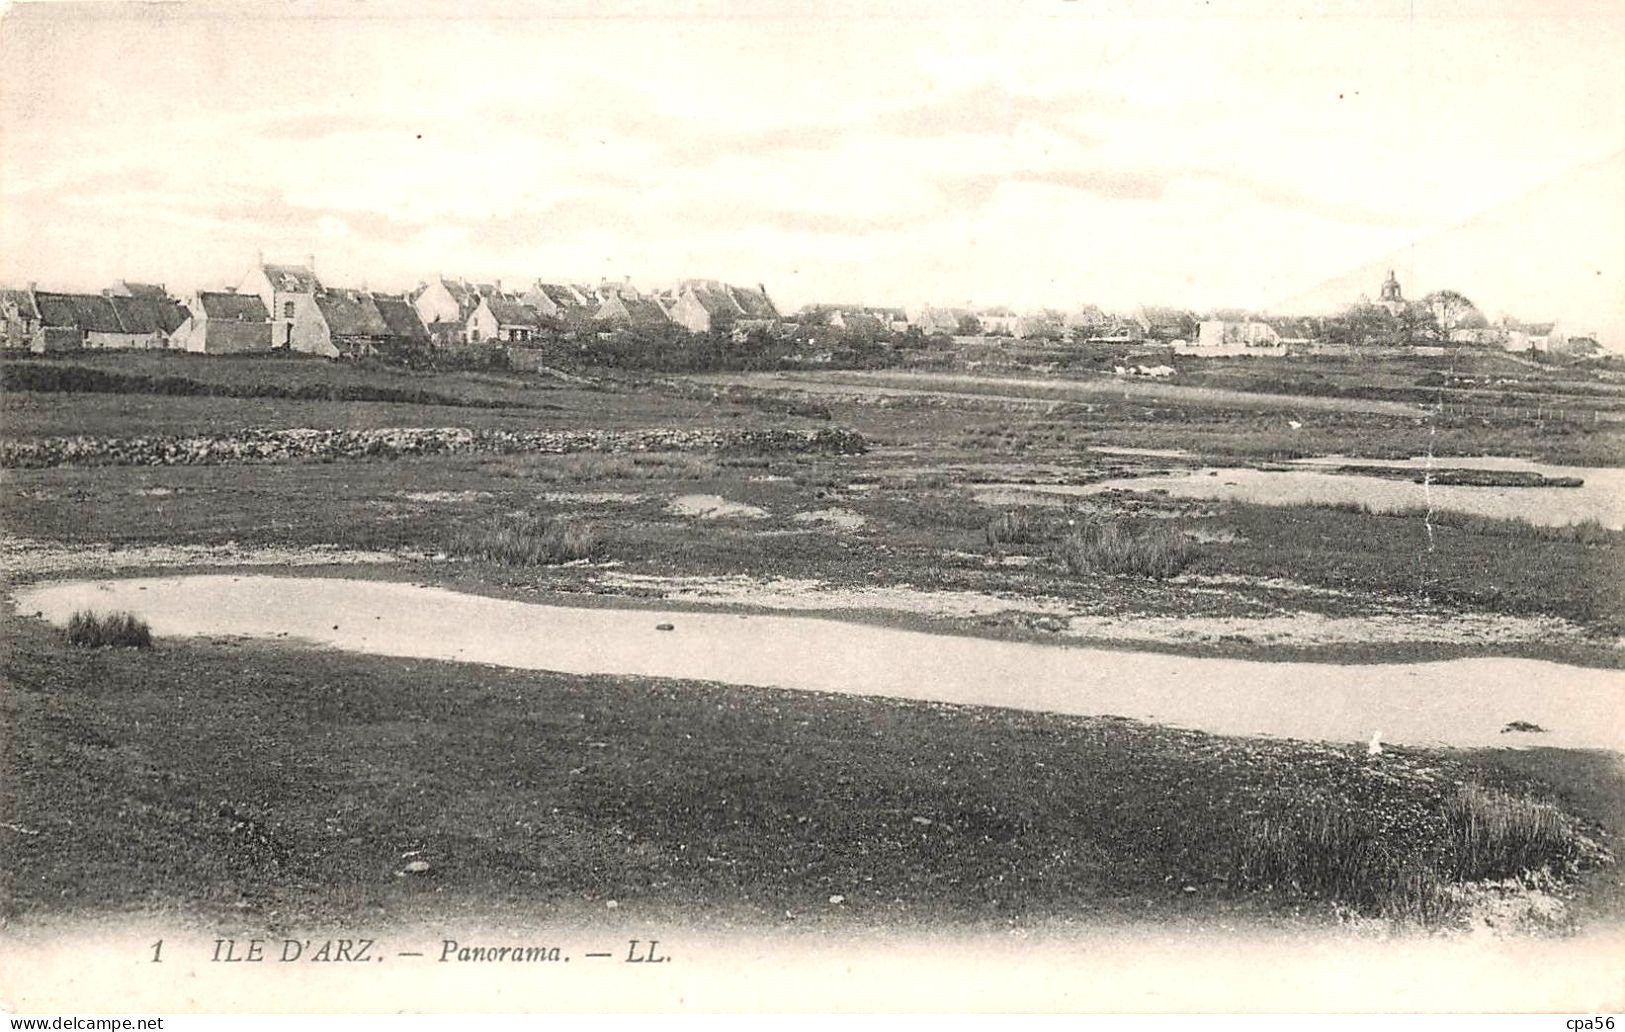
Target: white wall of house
[(296, 322), (436, 304), (126, 341), (688, 313)]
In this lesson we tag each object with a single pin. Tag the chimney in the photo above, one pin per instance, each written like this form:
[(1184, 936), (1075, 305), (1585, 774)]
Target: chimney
[(499, 284), (310, 263), (31, 286), (259, 257)]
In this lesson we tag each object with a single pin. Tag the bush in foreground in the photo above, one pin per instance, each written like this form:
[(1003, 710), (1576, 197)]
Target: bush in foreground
[(533, 542), (1016, 527), (1344, 854), (91, 630), (1156, 551)]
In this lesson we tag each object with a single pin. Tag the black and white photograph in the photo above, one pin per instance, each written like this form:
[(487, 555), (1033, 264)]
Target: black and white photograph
[(803, 507)]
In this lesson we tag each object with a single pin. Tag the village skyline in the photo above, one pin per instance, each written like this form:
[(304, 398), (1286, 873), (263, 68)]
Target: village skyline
[(836, 155)]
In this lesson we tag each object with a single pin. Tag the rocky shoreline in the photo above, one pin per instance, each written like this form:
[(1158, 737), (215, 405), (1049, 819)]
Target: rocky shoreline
[(310, 445)]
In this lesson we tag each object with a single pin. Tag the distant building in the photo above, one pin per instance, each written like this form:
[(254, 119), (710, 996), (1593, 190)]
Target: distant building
[(1044, 324), (1220, 337), (224, 322), (83, 321), (560, 303), (631, 310), (1526, 336), (997, 321), (503, 318), (289, 293), (700, 306), (19, 318), (1390, 297), (1165, 325), (148, 321)]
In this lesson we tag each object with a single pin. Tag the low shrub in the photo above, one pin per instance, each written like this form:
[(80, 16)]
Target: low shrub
[(1017, 527), (1345, 855), (1156, 551), (531, 542), (91, 630), (1498, 835)]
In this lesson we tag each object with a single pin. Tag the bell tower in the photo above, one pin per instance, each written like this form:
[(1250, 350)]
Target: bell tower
[(1391, 298)]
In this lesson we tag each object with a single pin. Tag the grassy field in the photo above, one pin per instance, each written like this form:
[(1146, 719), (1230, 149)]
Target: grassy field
[(273, 786)]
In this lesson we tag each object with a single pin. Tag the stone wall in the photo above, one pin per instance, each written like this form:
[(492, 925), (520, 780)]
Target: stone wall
[(306, 445)]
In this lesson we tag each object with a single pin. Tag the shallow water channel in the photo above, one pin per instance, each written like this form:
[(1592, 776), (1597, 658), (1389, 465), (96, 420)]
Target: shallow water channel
[(1601, 497), (1462, 702)]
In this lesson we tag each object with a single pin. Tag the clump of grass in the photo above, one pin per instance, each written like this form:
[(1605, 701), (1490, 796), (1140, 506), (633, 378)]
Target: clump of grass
[(1497, 834), (1156, 551), (92, 630), (537, 541), (1319, 852), (1345, 855), (1016, 527)]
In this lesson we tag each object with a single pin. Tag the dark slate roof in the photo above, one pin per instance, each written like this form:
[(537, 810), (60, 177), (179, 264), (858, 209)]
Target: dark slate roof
[(513, 313), (92, 313), (645, 311), (401, 318), (351, 313), (714, 297), (142, 314), (23, 299), (152, 291), (561, 295), (754, 302), (232, 306), (293, 279)]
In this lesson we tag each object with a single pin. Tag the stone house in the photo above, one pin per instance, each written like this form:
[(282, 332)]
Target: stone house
[(289, 293), (224, 322), (19, 318), (503, 318)]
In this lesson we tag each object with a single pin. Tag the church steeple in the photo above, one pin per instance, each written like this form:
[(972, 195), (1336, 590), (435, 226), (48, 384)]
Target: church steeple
[(1390, 288)]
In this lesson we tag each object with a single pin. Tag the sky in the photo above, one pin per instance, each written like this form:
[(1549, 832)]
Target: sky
[(1055, 152)]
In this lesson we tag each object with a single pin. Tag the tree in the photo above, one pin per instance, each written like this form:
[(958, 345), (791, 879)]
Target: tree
[(1449, 309)]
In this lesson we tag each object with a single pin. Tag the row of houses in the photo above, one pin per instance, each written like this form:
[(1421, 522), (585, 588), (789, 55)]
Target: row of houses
[(456, 312), (287, 307), (125, 315)]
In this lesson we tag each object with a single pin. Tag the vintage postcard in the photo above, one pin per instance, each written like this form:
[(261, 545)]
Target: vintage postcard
[(801, 507)]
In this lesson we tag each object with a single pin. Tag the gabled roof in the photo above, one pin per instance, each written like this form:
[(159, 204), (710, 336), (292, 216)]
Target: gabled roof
[(23, 299), (646, 311), (561, 295), (643, 312), (714, 297), (232, 306), (152, 291), (401, 318), (351, 313), (754, 303), (292, 279), (142, 314), (91, 313), (509, 312)]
